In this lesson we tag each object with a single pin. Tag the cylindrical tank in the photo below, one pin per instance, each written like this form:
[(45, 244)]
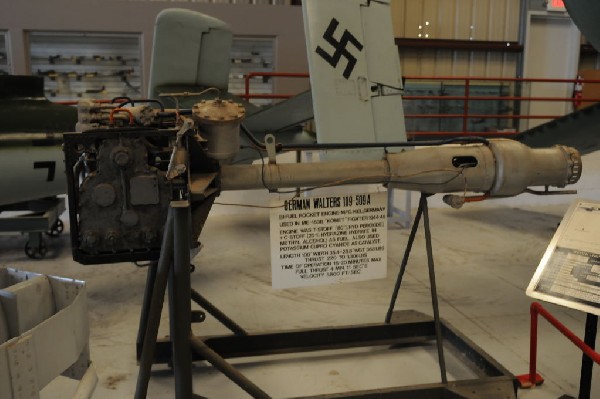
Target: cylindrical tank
[(219, 123), (502, 168)]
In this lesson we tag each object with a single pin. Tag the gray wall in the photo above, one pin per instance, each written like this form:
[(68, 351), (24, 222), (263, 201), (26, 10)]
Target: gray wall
[(282, 22)]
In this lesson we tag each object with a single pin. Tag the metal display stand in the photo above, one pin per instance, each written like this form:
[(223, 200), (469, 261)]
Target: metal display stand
[(587, 364), (400, 327)]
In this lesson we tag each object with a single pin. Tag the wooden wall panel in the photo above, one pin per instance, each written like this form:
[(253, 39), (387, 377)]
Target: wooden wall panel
[(463, 20), (457, 19), (446, 20), (488, 20)]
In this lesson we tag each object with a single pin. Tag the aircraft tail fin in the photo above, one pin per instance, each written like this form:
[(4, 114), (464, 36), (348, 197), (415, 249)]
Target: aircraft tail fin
[(190, 49)]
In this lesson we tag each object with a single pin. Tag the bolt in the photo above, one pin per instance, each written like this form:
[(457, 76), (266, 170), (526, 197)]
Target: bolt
[(149, 235), (121, 158), (90, 238), (111, 238)]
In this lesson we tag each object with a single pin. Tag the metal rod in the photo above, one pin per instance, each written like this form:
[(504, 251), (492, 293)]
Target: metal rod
[(150, 279), (411, 239), (217, 314), (227, 369), (330, 146), (587, 364), (87, 384), (497, 98), (533, 344), (479, 116), (180, 307), (434, 297), (155, 309), (487, 79)]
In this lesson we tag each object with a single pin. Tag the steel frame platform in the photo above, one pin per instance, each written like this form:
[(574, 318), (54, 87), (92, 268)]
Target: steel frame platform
[(406, 327)]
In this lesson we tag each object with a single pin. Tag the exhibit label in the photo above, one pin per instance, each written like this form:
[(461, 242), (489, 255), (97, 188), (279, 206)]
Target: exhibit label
[(329, 240), (569, 272)]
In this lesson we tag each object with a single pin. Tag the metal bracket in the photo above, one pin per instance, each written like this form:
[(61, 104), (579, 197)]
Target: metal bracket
[(271, 150), (547, 191)]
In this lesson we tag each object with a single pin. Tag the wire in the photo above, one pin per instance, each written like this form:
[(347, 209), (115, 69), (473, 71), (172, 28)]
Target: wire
[(262, 170), (121, 103)]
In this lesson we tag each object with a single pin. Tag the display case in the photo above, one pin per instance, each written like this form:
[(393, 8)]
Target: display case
[(252, 54), (5, 67), (82, 64)]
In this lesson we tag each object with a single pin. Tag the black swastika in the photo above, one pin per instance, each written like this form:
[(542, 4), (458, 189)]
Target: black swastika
[(340, 48)]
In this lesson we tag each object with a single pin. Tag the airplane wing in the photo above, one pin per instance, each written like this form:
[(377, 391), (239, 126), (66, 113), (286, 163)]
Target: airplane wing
[(580, 128), (354, 73), (585, 14)]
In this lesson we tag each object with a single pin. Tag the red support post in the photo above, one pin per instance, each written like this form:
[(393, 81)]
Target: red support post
[(532, 378)]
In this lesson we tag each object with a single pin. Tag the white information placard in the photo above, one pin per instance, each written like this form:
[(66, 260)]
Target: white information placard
[(329, 240), (569, 272)]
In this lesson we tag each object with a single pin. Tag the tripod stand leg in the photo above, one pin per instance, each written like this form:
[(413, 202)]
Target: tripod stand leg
[(434, 297), (411, 239), (217, 313), (587, 364), (150, 279), (227, 369), (155, 309), (179, 301)]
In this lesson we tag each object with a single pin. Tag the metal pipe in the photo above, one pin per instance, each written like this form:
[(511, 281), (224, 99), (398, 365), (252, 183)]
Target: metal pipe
[(480, 116), (227, 369), (87, 384), (434, 296), (505, 167), (498, 98), (155, 309), (411, 239), (489, 135), (487, 79), (150, 279), (217, 314), (273, 176)]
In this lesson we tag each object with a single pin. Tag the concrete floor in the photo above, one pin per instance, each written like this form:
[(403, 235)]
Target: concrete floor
[(484, 257)]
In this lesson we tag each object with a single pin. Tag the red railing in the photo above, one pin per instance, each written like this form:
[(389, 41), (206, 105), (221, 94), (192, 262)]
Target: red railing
[(532, 379), (467, 98)]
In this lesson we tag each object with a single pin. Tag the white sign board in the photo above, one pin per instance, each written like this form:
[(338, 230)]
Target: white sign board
[(569, 272), (329, 240)]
